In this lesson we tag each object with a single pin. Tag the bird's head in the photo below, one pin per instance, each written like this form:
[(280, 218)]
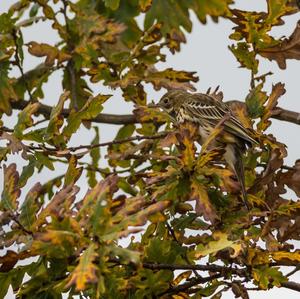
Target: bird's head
[(171, 100)]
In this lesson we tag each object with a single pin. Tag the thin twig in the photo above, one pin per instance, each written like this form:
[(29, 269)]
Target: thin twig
[(190, 284), (297, 268), (89, 147)]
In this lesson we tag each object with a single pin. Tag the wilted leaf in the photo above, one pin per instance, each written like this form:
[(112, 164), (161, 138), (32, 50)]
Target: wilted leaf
[(7, 92), (203, 205), (51, 53), (54, 243), (86, 271), (277, 91), (288, 48), (291, 178), (15, 145), (11, 191)]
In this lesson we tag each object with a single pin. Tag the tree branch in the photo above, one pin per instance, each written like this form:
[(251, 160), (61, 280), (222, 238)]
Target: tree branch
[(101, 118), (279, 113), (291, 285), (219, 270), (191, 283), (211, 268)]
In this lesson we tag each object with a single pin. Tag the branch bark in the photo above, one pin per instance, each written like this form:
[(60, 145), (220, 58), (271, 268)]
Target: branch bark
[(279, 113)]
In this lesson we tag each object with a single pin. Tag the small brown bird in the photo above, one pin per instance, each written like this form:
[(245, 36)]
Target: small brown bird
[(205, 111)]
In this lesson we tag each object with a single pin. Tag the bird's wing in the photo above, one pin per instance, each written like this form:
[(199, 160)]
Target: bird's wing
[(202, 107)]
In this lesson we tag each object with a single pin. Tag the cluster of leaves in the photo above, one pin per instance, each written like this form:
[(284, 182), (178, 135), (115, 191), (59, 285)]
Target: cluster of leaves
[(182, 204)]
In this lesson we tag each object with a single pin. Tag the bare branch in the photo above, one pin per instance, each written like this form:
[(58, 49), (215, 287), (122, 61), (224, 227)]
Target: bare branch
[(291, 285)]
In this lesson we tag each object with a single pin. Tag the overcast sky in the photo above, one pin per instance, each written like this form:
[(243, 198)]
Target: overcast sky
[(206, 52)]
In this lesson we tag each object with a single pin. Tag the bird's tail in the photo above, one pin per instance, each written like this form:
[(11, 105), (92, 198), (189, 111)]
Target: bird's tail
[(233, 157)]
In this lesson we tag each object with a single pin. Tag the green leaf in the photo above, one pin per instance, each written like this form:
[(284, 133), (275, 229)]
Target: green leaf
[(24, 119), (255, 101), (125, 132), (112, 4), (265, 276), (245, 57), (27, 171), (89, 111), (34, 10), (5, 281), (6, 23), (44, 160), (30, 207), (73, 173), (213, 8), (56, 121)]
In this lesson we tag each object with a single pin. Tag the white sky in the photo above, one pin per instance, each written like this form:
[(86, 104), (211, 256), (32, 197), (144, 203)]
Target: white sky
[(206, 52)]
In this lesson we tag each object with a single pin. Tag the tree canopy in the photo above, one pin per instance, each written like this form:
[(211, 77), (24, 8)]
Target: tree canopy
[(161, 217)]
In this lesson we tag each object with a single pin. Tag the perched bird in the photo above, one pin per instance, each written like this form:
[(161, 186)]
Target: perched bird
[(206, 111)]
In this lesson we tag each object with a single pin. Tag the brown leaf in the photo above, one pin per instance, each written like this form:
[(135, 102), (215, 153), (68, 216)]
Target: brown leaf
[(291, 178), (288, 48), (55, 207), (14, 144), (51, 53), (169, 140), (9, 260), (277, 91)]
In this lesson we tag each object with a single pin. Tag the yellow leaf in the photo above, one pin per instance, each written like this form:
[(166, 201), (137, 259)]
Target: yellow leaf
[(286, 256), (220, 242), (185, 275)]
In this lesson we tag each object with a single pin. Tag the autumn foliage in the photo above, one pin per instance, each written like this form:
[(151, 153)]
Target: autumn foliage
[(163, 218)]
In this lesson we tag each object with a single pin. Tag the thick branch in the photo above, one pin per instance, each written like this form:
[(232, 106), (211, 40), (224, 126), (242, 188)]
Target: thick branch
[(279, 113), (291, 285), (101, 118)]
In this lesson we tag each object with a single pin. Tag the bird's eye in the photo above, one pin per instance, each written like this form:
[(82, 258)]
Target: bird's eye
[(166, 100)]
